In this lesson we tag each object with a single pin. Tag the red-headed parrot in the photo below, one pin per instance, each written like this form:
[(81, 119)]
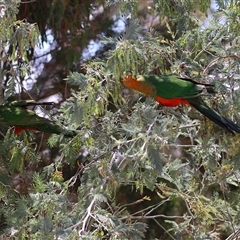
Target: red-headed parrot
[(170, 90), (16, 114)]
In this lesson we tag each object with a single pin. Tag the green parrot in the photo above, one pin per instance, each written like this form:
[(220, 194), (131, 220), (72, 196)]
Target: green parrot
[(16, 114), (170, 91)]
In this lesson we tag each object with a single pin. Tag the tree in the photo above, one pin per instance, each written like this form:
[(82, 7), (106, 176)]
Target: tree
[(135, 170)]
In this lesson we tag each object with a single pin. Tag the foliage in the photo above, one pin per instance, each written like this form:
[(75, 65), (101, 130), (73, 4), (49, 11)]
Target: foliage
[(17, 38), (135, 170)]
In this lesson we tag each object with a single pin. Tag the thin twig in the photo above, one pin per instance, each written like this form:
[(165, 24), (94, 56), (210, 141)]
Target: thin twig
[(150, 207), (88, 215), (217, 59), (234, 235), (169, 234), (158, 205), (151, 217), (151, 126)]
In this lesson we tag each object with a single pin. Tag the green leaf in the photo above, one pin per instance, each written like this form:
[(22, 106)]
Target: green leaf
[(4, 179), (154, 156)]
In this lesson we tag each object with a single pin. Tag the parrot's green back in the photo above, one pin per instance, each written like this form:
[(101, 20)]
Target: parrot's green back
[(16, 114), (170, 86)]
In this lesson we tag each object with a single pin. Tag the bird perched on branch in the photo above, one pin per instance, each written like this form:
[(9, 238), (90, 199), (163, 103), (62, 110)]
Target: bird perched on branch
[(170, 91), (16, 114)]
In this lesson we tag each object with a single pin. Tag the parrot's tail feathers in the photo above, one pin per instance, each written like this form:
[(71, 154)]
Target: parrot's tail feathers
[(39, 103), (25, 103), (51, 127), (223, 122)]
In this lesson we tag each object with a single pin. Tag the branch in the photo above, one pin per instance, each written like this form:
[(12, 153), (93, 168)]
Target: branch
[(170, 235), (88, 215), (217, 59), (234, 235), (151, 217)]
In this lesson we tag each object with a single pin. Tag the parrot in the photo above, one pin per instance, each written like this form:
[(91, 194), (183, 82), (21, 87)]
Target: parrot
[(17, 115), (171, 91)]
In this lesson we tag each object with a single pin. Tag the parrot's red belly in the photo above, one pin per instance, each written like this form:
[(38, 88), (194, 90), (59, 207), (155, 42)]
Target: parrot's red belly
[(171, 102), (18, 129)]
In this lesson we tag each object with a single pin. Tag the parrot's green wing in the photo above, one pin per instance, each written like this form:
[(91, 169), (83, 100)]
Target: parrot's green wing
[(170, 86), (16, 114)]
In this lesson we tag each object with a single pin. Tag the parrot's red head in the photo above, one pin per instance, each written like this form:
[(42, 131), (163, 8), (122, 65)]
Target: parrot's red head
[(139, 84)]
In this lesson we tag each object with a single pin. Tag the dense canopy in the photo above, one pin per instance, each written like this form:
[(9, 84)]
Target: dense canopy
[(132, 169)]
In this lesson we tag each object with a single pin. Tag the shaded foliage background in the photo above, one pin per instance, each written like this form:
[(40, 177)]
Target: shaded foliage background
[(136, 170)]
